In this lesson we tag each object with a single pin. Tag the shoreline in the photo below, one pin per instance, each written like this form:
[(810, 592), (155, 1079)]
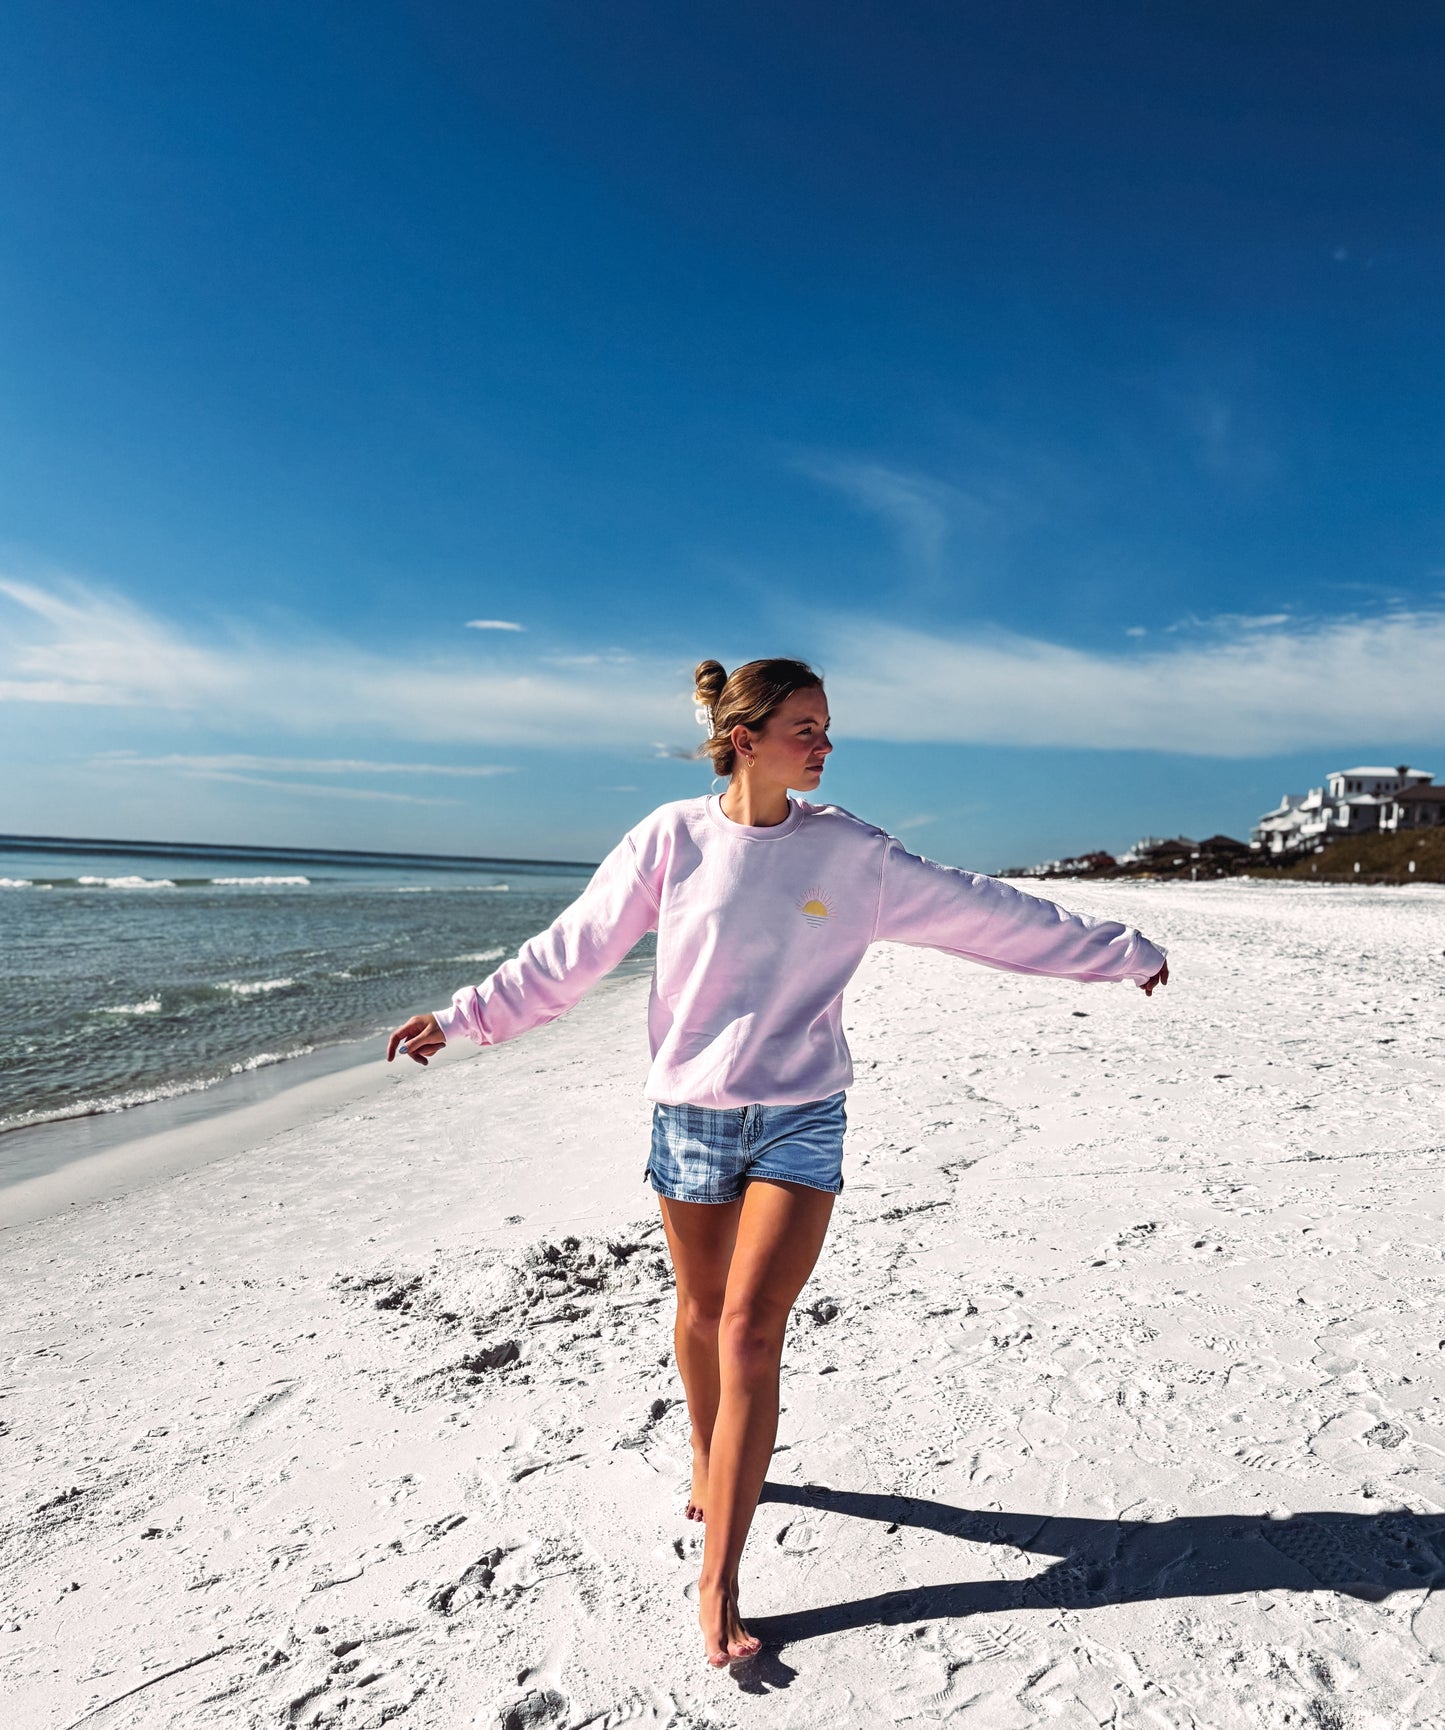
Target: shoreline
[(221, 1114), (108, 1154), (88, 1129), (139, 1152)]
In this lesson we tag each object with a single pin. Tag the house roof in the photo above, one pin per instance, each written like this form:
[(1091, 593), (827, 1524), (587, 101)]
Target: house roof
[(1416, 796), (1392, 773)]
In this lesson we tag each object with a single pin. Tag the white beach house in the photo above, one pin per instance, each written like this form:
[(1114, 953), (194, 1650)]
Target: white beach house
[(1352, 802)]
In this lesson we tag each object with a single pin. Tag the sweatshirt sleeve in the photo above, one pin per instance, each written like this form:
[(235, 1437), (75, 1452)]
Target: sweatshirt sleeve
[(551, 971), (982, 919)]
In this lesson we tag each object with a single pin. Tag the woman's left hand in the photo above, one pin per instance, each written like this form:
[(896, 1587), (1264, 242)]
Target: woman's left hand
[(1160, 978)]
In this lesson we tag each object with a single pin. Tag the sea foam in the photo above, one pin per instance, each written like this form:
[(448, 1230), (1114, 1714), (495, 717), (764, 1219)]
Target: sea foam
[(109, 1104), (125, 882), (264, 882), (264, 1059)]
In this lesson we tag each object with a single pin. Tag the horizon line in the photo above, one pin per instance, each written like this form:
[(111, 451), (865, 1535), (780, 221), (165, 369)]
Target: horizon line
[(295, 855)]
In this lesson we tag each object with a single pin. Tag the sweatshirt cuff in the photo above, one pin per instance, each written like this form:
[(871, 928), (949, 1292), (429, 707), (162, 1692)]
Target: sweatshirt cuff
[(1144, 972), (451, 1023)]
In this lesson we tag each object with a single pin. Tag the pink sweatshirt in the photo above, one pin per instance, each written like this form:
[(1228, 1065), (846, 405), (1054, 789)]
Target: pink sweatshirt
[(758, 933)]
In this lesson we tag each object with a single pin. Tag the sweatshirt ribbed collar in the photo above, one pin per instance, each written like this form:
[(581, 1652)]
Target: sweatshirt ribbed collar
[(750, 832)]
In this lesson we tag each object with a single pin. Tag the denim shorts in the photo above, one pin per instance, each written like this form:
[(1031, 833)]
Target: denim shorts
[(707, 1153)]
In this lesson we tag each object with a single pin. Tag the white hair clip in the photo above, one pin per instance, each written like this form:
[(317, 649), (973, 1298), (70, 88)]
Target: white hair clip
[(702, 714)]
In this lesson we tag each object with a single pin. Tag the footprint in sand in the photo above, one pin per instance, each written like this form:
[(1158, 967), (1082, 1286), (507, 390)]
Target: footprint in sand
[(1067, 1586), (1277, 1454), (349, 1681), (269, 1403), (798, 1538), (662, 1713), (537, 1709), (976, 1415), (475, 1582), (531, 1463), (1318, 1552), (981, 1645), (1347, 1439)]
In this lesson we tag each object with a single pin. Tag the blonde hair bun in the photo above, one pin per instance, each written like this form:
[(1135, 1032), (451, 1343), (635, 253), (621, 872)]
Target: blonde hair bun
[(708, 680)]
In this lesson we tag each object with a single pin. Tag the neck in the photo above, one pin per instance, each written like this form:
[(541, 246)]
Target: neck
[(753, 804)]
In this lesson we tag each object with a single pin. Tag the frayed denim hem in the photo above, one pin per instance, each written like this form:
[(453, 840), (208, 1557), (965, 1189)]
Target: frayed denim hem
[(672, 1195)]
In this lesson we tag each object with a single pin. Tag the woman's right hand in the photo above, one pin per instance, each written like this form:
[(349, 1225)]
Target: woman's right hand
[(1160, 978), (422, 1035)]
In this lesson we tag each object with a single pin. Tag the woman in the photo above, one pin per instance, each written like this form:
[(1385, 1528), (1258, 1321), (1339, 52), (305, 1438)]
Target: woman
[(764, 905)]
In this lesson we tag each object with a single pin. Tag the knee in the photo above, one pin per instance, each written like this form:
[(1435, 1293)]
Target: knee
[(751, 1338), (700, 1312)]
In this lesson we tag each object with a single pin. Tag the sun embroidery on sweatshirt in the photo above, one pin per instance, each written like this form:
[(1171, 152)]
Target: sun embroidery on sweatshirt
[(816, 907)]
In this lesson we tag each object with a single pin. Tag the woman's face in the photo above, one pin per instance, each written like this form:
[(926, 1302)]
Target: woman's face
[(791, 749)]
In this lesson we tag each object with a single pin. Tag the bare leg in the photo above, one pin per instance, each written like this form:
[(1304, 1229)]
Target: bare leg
[(779, 1234), (700, 1236)]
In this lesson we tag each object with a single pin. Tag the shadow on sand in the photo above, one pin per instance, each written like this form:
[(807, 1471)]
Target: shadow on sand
[(1120, 1561)]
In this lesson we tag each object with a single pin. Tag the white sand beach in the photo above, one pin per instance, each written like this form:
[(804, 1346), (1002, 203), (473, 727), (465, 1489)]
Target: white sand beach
[(1116, 1397)]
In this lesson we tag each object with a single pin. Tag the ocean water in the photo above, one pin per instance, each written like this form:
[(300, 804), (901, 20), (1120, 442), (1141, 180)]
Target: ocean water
[(130, 978)]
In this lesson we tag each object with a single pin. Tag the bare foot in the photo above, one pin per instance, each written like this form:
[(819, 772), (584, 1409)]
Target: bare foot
[(699, 1482), (722, 1628)]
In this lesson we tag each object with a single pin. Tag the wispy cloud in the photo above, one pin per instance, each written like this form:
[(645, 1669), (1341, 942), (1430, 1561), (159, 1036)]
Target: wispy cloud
[(82, 646), (1243, 686), (313, 789), (920, 510), (78, 646), (1223, 624), (1245, 692), (612, 658), (238, 762), (494, 625)]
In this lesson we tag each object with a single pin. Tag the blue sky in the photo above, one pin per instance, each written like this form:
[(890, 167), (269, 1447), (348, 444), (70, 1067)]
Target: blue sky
[(1065, 380)]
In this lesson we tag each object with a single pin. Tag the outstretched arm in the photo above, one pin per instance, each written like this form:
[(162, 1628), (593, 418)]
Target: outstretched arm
[(551, 971), (984, 920)]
